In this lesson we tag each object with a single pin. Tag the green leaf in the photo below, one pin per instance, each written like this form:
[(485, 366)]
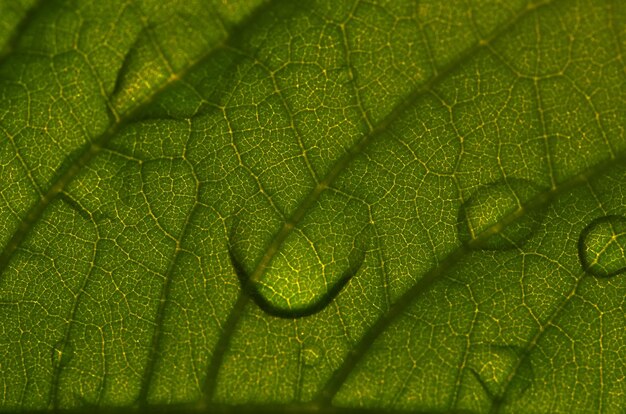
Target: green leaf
[(314, 205)]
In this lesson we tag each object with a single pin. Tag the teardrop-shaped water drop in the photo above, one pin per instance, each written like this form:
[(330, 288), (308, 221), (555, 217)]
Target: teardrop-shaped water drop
[(306, 270), (602, 246), (497, 216)]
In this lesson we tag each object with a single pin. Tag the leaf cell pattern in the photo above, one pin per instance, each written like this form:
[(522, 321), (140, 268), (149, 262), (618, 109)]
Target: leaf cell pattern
[(430, 196)]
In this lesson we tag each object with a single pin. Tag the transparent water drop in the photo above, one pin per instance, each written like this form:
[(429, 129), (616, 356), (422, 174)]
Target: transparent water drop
[(602, 246), (304, 266), (497, 216), (502, 371)]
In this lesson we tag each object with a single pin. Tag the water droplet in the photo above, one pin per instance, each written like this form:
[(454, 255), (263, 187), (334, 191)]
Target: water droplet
[(501, 370), (602, 246), (62, 354), (307, 268), (497, 215), (311, 354)]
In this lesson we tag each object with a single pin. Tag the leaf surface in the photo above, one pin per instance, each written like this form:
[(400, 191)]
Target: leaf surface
[(411, 206)]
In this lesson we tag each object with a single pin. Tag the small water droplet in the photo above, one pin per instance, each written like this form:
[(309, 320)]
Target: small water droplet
[(495, 365), (311, 355), (497, 216), (62, 354), (602, 246)]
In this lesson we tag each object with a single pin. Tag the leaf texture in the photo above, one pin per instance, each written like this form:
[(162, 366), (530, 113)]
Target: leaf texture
[(379, 205)]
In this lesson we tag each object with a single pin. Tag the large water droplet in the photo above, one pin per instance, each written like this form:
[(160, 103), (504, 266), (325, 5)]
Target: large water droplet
[(300, 274), (602, 246), (497, 215)]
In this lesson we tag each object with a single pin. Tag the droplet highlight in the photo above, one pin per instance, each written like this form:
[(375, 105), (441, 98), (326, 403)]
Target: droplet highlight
[(602, 246), (501, 215)]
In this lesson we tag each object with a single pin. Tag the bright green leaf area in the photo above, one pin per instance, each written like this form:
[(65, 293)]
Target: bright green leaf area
[(316, 205)]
